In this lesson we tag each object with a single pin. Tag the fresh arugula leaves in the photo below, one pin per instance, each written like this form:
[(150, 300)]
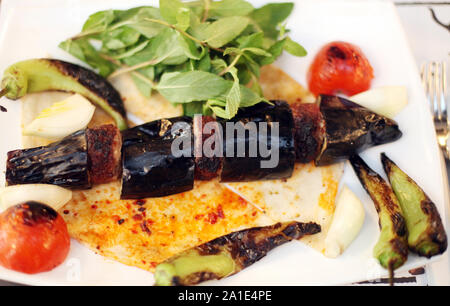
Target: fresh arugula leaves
[(203, 54)]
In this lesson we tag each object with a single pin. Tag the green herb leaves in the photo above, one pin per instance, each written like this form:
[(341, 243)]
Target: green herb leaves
[(191, 86), (204, 54), (224, 30), (228, 8)]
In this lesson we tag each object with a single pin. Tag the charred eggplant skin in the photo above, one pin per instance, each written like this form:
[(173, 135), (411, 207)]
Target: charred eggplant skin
[(309, 131), (228, 254), (63, 163), (150, 169), (37, 75), (248, 168), (351, 128), (426, 233)]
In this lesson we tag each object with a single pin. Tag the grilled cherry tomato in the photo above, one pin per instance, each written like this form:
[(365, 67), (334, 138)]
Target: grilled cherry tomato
[(33, 238), (339, 67)]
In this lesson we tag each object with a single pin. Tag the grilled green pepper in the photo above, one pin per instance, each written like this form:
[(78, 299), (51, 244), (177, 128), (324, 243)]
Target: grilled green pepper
[(228, 254), (391, 249), (426, 233), (38, 75)]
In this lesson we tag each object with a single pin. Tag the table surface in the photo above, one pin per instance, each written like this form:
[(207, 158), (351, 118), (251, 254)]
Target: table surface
[(429, 39)]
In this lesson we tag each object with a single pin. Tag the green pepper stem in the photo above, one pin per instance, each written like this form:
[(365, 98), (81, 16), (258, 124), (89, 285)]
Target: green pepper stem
[(3, 92), (391, 274)]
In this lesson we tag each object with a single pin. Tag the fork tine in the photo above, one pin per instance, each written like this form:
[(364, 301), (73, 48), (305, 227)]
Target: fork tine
[(431, 88), (423, 68), (443, 96), (437, 91)]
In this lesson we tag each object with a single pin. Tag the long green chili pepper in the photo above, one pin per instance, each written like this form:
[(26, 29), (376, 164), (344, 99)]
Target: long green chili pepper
[(37, 75), (426, 233), (228, 254), (391, 249)]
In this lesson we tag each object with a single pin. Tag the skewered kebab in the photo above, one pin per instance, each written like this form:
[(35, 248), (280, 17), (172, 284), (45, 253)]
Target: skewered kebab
[(328, 132)]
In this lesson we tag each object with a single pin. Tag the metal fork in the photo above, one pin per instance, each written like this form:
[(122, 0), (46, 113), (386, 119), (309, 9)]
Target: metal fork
[(434, 80)]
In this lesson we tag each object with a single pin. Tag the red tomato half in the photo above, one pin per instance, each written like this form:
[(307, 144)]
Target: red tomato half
[(339, 67), (33, 238)]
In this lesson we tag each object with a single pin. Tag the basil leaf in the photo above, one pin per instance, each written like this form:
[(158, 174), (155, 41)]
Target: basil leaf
[(144, 55), (99, 21), (257, 51), (170, 43), (218, 65), (252, 65), (232, 50), (270, 16), (83, 50), (183, 19), (276, 49), (233, 97), (224, 30), (193, 108), (170, 9), (144, 87), (191, 86), (168, 48), (218, 111), (136, 18), (190, 48), (197, 28), (244, 74), (254, 40), (120, 38), (228, 8), (294, 48), (205, 63), (249, 97), (132, 51)]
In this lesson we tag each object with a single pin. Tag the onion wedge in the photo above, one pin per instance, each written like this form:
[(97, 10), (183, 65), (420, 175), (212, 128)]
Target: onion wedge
[(347, 222), (62, 118), (51, 195), (387, 100)]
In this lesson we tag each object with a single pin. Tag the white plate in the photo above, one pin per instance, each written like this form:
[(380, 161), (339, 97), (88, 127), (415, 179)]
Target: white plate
[(30, 29)]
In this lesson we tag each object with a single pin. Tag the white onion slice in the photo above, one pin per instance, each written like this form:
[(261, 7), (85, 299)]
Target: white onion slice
[(62, 118), (51, 195), (346, 225), (387, 100)]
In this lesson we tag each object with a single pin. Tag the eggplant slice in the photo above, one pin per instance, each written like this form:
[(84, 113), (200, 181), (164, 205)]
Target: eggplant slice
[(238, 168), (351, 128), (150, 168), (63, 163)]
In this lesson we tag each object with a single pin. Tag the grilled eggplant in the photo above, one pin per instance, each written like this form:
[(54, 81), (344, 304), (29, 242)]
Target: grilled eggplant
[(150, 165), (247, 165), (63, 163), (351, 128), (228, 254), (38, 75), (309, 131)]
